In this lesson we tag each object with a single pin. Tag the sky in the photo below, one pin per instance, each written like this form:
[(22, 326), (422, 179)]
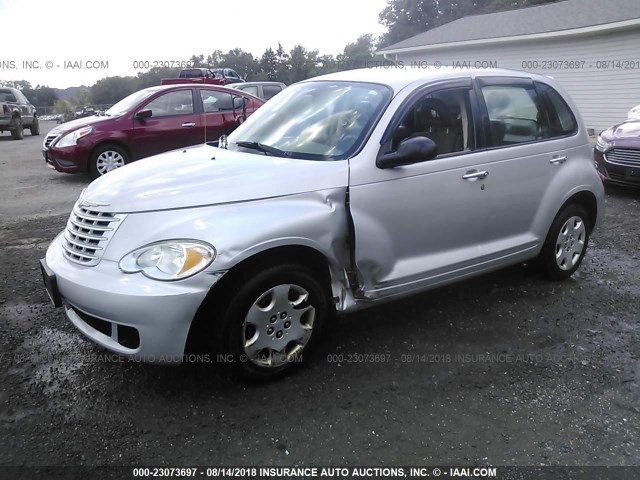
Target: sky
[(71, 42)]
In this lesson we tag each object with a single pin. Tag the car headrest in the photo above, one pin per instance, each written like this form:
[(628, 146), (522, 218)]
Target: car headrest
[(433, 112)]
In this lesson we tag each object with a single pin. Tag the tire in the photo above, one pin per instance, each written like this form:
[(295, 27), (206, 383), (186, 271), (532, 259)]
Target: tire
[(16, 128), (35, 126), (107, 158), (566, 243), (284, 307)]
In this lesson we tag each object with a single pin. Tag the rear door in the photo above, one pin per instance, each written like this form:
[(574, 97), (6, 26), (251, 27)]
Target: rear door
[(174, 123), (526, 150), (220, 117)]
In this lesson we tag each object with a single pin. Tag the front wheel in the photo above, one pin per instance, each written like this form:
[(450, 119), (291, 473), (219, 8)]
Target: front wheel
[(106, 159), (272, 321), (566, 243)]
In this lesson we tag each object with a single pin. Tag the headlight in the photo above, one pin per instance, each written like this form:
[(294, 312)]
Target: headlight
[(602, 144), (169, 260), (71, 139)]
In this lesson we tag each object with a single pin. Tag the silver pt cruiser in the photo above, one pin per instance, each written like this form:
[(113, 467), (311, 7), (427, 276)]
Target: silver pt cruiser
[(342, 191)]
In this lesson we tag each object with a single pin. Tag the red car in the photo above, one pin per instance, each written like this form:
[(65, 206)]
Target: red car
[(147, 122)]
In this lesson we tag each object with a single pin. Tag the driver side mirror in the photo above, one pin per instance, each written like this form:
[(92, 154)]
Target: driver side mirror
[(411, 150), (142, 114)]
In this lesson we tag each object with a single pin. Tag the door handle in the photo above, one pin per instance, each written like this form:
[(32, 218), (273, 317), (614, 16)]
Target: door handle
[(558, 160), (189, 124), (472, 175)]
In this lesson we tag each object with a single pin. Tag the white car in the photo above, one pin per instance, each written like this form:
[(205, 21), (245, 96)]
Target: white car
[(341, 192)]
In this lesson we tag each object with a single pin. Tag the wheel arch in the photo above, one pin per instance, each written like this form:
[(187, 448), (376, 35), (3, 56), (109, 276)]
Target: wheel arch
[(107, 141), (588, 201), (302, 255)]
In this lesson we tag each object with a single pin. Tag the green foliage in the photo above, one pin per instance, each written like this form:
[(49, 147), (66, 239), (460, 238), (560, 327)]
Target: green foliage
[(406, 18), (62, 106)]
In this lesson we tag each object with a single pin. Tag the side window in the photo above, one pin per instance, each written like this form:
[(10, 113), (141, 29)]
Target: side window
[(271, 91), (173, 103), (253, 90), (515, 115), (215, 101), (443, 116), (232, 73), (561, 119)]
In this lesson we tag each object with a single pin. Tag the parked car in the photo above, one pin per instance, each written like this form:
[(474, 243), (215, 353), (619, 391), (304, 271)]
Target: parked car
[(229, 75), (85, 112), (211, 76), (617, 154), (264, 90), (17, 113), (195, 75), (148, 122), (340, 193)]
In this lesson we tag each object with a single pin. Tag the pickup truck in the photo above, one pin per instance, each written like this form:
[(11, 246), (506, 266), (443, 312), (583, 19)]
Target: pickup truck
[(17, 113), (218, 76)]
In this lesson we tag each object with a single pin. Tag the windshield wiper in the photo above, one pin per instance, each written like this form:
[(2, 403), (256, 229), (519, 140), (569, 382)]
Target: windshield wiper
[(261, 147)]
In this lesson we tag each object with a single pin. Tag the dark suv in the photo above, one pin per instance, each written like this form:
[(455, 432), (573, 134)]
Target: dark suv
[(148, 122), (17, 113)]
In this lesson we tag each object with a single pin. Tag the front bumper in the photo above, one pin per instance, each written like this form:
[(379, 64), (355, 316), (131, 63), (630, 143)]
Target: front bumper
[(128, 314), (68, 160), (609, 172)]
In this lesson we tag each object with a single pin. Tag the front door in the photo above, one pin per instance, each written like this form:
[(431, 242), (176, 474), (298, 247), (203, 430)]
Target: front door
[(425, 223), (174, 123)]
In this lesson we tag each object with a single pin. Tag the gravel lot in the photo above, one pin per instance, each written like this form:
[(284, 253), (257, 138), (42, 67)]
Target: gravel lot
[(507, 369)]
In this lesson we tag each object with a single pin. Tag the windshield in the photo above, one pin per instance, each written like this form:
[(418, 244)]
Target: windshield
[(322, 120), (127, 103)]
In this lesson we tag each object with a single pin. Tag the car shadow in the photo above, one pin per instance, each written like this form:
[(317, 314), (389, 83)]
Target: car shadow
[(467, 313), (620, 191)]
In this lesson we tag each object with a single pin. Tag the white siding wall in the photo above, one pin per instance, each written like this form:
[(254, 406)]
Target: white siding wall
[(603, 96)]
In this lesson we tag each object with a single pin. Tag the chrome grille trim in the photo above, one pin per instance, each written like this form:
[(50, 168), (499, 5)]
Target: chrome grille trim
[(624, 157), (48, 140), (88, 233)]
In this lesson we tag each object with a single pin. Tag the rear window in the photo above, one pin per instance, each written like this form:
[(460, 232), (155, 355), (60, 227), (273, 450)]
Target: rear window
[(193, 73), (561, 119), (271, 91)]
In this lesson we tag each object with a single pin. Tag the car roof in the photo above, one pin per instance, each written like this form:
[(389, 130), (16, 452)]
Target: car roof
[(397, 78), (248, 84)]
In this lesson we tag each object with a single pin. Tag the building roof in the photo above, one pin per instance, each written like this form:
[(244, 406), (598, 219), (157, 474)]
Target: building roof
[(563, 16)]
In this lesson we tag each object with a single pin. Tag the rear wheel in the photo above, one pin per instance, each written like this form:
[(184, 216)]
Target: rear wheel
[(35, 126), (106, 159), (566, 243), (270, 322), (16, 128)]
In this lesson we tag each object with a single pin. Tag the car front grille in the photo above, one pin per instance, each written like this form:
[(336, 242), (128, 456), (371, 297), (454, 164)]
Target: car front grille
[(88, 233), (623, 156), (47, 140)]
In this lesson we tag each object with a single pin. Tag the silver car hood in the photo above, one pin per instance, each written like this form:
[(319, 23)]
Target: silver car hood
[(206, 175)]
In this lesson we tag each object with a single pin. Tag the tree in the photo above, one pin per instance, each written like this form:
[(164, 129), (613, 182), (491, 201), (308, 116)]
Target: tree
[(269, 64), (153, 76), (358, 54), (242, 62), (216, 59), (282, 64), (19, 84), (110, 90), (406, 18), (197, 61), (303, 64)]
